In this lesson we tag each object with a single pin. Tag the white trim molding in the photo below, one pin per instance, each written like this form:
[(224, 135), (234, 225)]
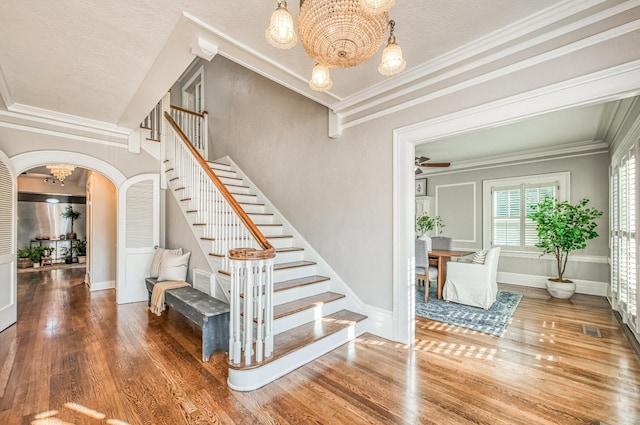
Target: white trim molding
[(25, 161), (564, 193), (101, 286), (573, 258), (588, 287)]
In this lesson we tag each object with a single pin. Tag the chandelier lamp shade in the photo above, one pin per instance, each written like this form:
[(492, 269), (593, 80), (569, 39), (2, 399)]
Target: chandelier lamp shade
[(338, 34), (61, 171)]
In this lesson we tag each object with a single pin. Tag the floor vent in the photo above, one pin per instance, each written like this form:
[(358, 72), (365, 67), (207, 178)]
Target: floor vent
[(590, 330)]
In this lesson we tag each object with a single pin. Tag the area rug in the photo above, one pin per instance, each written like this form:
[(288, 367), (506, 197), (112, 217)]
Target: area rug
[(493, 321)]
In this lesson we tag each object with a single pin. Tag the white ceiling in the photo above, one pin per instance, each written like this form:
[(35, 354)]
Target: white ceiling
[(90, 59)]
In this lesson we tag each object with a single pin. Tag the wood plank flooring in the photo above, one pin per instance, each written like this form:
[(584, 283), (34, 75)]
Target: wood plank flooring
[(73, 346)]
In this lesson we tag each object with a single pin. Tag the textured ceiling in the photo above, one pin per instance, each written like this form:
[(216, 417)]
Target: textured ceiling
[(89, 59)]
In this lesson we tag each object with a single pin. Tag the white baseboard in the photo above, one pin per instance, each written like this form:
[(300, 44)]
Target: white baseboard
[(99, 286), (379, 322), (589, 287)]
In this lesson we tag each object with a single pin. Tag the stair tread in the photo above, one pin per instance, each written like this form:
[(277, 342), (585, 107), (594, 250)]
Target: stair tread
[(300, 281), (293, 264), (292, 340), (290, 249), (306, 303), (277, 236)]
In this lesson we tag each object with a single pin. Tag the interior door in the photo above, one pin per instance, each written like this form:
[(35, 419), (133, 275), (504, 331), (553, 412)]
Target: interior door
[(138, 235), (8, 277)]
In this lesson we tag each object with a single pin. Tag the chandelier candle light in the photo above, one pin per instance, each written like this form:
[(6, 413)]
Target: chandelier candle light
[(61, 171), (338, 34)]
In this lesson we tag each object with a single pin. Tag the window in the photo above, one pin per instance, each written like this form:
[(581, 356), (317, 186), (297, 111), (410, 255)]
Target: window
[(507, 202), (624, 242)]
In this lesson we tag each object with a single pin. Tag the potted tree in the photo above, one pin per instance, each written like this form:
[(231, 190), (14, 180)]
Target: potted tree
[(72, 215), (563, 228)]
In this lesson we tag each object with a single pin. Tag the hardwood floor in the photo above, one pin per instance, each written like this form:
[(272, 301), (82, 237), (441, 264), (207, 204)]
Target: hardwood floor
[(73, 346)]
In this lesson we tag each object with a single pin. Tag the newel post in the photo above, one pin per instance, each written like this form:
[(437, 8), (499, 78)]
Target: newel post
[(251, 305)]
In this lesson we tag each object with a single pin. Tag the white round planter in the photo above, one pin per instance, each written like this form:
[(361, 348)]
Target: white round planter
[(562, 290)]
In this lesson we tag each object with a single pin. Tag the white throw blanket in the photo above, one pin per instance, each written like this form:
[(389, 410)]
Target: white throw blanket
[(157, 296)]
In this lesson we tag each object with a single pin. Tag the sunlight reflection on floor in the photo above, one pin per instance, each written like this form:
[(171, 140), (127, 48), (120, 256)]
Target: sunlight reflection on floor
[(49, 417)]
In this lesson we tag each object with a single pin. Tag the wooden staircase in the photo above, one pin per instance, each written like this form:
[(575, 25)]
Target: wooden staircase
[(312, 313)]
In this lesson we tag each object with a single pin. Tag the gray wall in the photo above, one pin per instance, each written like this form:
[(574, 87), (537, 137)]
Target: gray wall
[(589, 179), (103, 238)]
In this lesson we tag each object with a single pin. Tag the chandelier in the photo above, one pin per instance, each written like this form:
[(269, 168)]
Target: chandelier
[(338, 34), (61, 171)]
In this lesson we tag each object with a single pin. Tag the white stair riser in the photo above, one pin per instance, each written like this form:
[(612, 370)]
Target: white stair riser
[(238, 189), (292, 294), (253, 208), (287, 257), (281, 242), (230, 180), (286, 323), (249, 199), (270, 230), (222, 167), (223, 173), (293, 273), (251, 379), (261, 218)]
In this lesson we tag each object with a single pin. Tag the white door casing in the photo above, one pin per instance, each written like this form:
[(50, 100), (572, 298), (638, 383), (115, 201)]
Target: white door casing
[(8, 277), (138, 235)]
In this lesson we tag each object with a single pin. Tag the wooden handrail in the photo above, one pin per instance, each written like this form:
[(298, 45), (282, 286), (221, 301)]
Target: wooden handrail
[(255, 232), (177, 108)]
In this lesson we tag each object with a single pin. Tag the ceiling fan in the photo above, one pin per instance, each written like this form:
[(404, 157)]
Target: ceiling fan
[(422, 162)]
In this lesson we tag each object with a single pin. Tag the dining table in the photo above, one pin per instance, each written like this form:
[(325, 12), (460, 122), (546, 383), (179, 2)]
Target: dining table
[(442, 257)]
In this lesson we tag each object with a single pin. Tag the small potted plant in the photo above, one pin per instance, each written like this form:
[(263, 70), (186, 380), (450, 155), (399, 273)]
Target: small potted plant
[(24, 258), (425, 224), (36, 255), (72, 215), (80, 248), (67, 253), (563, 228)]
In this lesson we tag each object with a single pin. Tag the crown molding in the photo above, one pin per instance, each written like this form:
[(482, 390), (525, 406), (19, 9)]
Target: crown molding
[(45, 116), (61, 134), (477, 47), (610, 84), (518, 66), (534, 155)]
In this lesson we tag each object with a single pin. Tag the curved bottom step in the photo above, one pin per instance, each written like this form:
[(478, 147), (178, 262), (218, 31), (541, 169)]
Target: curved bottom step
[(297, 347)]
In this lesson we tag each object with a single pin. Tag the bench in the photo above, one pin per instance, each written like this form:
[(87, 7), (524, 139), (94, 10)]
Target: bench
[(208, 313)]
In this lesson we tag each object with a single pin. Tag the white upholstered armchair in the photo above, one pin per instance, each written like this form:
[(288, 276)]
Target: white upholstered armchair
[(473, 284)]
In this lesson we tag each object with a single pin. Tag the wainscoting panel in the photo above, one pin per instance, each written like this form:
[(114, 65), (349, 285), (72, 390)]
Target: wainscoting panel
[(456, 205)]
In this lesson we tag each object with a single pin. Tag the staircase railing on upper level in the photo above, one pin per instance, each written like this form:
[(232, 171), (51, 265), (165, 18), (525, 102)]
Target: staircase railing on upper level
[(250, 256), (193, 124)]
